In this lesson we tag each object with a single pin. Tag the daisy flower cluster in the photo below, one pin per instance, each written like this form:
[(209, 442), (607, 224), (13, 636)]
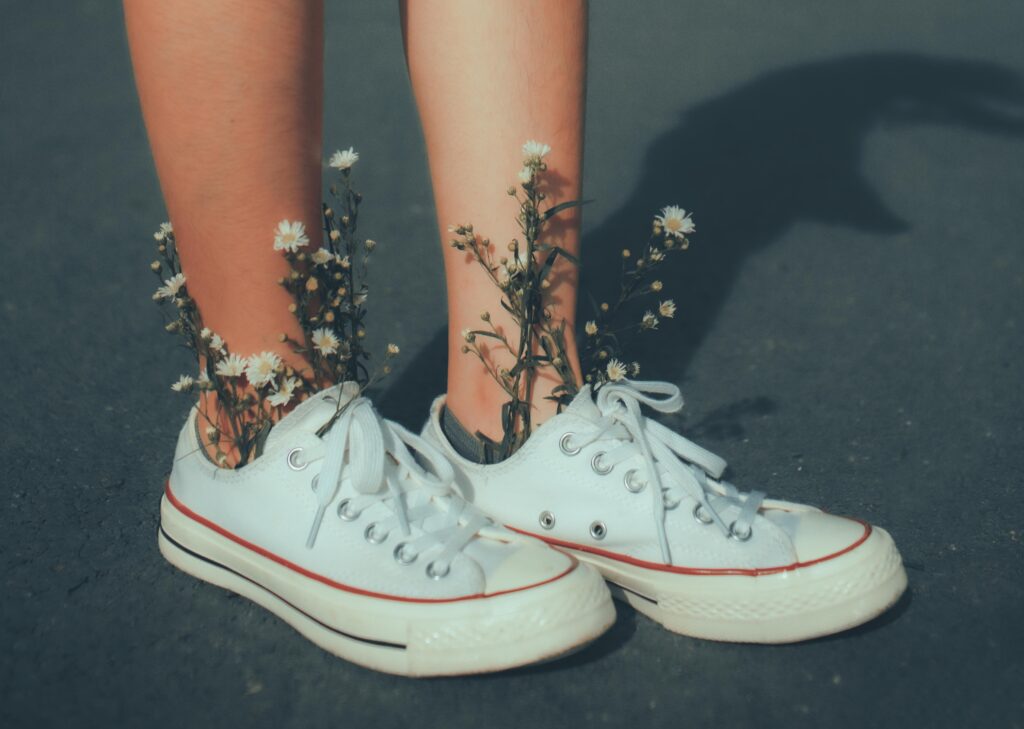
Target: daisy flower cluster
[(329, 283), (250, 392), (241, 397), (523, 272), (602, 352)]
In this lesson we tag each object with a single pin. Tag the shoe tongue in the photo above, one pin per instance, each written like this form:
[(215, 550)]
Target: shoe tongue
[(583, 405), (311, 414)]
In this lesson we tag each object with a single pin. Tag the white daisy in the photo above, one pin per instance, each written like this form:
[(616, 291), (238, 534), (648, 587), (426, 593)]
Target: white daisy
[(590, 328), (184, 384), (344, 262), (675, 221), (343, 160), (650, 321), (206, 332), (162, 233), (203, 379), (325, 341), (322, 256), (171, 287), (655, 256), (393, 350), (260, 368), (535, 151), (284, 392), (290, 236), (231, 366), (216, 343), (525, 175), (656, 285), (667, 309), (616, 370)]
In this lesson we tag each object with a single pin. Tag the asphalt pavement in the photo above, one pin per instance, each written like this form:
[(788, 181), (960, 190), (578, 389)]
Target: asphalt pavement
[(849, 334)]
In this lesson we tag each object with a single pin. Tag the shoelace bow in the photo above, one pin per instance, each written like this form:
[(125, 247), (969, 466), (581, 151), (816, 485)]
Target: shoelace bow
[(358, 446), (676, 467)]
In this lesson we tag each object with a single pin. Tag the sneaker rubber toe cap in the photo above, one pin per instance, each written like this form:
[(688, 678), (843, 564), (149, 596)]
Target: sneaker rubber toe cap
[(818, 536), (530, 564)]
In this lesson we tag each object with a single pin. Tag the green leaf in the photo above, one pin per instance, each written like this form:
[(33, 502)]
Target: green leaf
[(556, 209)]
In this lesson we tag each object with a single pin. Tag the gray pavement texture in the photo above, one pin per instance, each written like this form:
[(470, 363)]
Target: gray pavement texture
[(849, 335)]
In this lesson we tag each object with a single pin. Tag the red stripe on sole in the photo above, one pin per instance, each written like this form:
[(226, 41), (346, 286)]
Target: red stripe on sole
[(702, 571), (331, 583)]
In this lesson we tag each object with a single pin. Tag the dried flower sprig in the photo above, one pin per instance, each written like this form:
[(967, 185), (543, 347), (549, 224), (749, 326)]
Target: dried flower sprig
[(523, 276), (602, 352), (329, 286), (241, 397), (523, 279)]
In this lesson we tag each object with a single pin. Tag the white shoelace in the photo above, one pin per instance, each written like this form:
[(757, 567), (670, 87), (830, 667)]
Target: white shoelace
[(675, 467), (369, 442)]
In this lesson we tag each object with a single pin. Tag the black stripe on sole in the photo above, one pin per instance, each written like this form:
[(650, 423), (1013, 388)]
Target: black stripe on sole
[(368, 641), (634, 592)]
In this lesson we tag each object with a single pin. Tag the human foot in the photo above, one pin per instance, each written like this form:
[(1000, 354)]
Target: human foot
[(648, 509), (350, 541)]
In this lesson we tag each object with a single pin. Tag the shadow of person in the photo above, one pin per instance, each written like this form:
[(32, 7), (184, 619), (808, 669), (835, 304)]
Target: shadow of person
[(783, 148)]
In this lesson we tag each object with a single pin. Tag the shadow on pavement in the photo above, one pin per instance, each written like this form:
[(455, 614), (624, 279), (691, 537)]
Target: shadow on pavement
[(784, 148)]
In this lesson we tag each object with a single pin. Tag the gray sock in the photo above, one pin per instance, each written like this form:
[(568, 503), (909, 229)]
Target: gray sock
[(467, 445)]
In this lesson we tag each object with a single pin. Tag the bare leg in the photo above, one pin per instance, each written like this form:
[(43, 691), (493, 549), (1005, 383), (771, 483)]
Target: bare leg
[(487, 77), (232, 95)]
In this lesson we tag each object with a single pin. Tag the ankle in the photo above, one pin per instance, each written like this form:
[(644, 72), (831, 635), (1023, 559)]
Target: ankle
[(230, 439)]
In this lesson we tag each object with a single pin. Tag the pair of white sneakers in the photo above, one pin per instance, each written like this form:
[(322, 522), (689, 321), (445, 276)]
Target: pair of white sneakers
[(392, 551)]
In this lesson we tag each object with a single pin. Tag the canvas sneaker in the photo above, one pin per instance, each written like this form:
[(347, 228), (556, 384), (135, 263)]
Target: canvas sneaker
[(368, 554), (649, 509)]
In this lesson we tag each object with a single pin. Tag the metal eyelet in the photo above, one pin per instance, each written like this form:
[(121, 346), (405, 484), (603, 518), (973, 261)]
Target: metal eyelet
[(546, 519), (700, 515), (343, 511), (371, 536), (598, 530), (631, 485), (595, 463), (563, 444), (435, 575), (293, 462), (401, 557), (740, 536)]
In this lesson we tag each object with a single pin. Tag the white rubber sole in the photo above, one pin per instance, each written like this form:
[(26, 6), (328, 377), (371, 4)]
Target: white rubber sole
[(783, 607), (477, 635)]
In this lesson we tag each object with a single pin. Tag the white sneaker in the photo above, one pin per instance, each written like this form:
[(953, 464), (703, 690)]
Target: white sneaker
[(349, 540), (648, 509)]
